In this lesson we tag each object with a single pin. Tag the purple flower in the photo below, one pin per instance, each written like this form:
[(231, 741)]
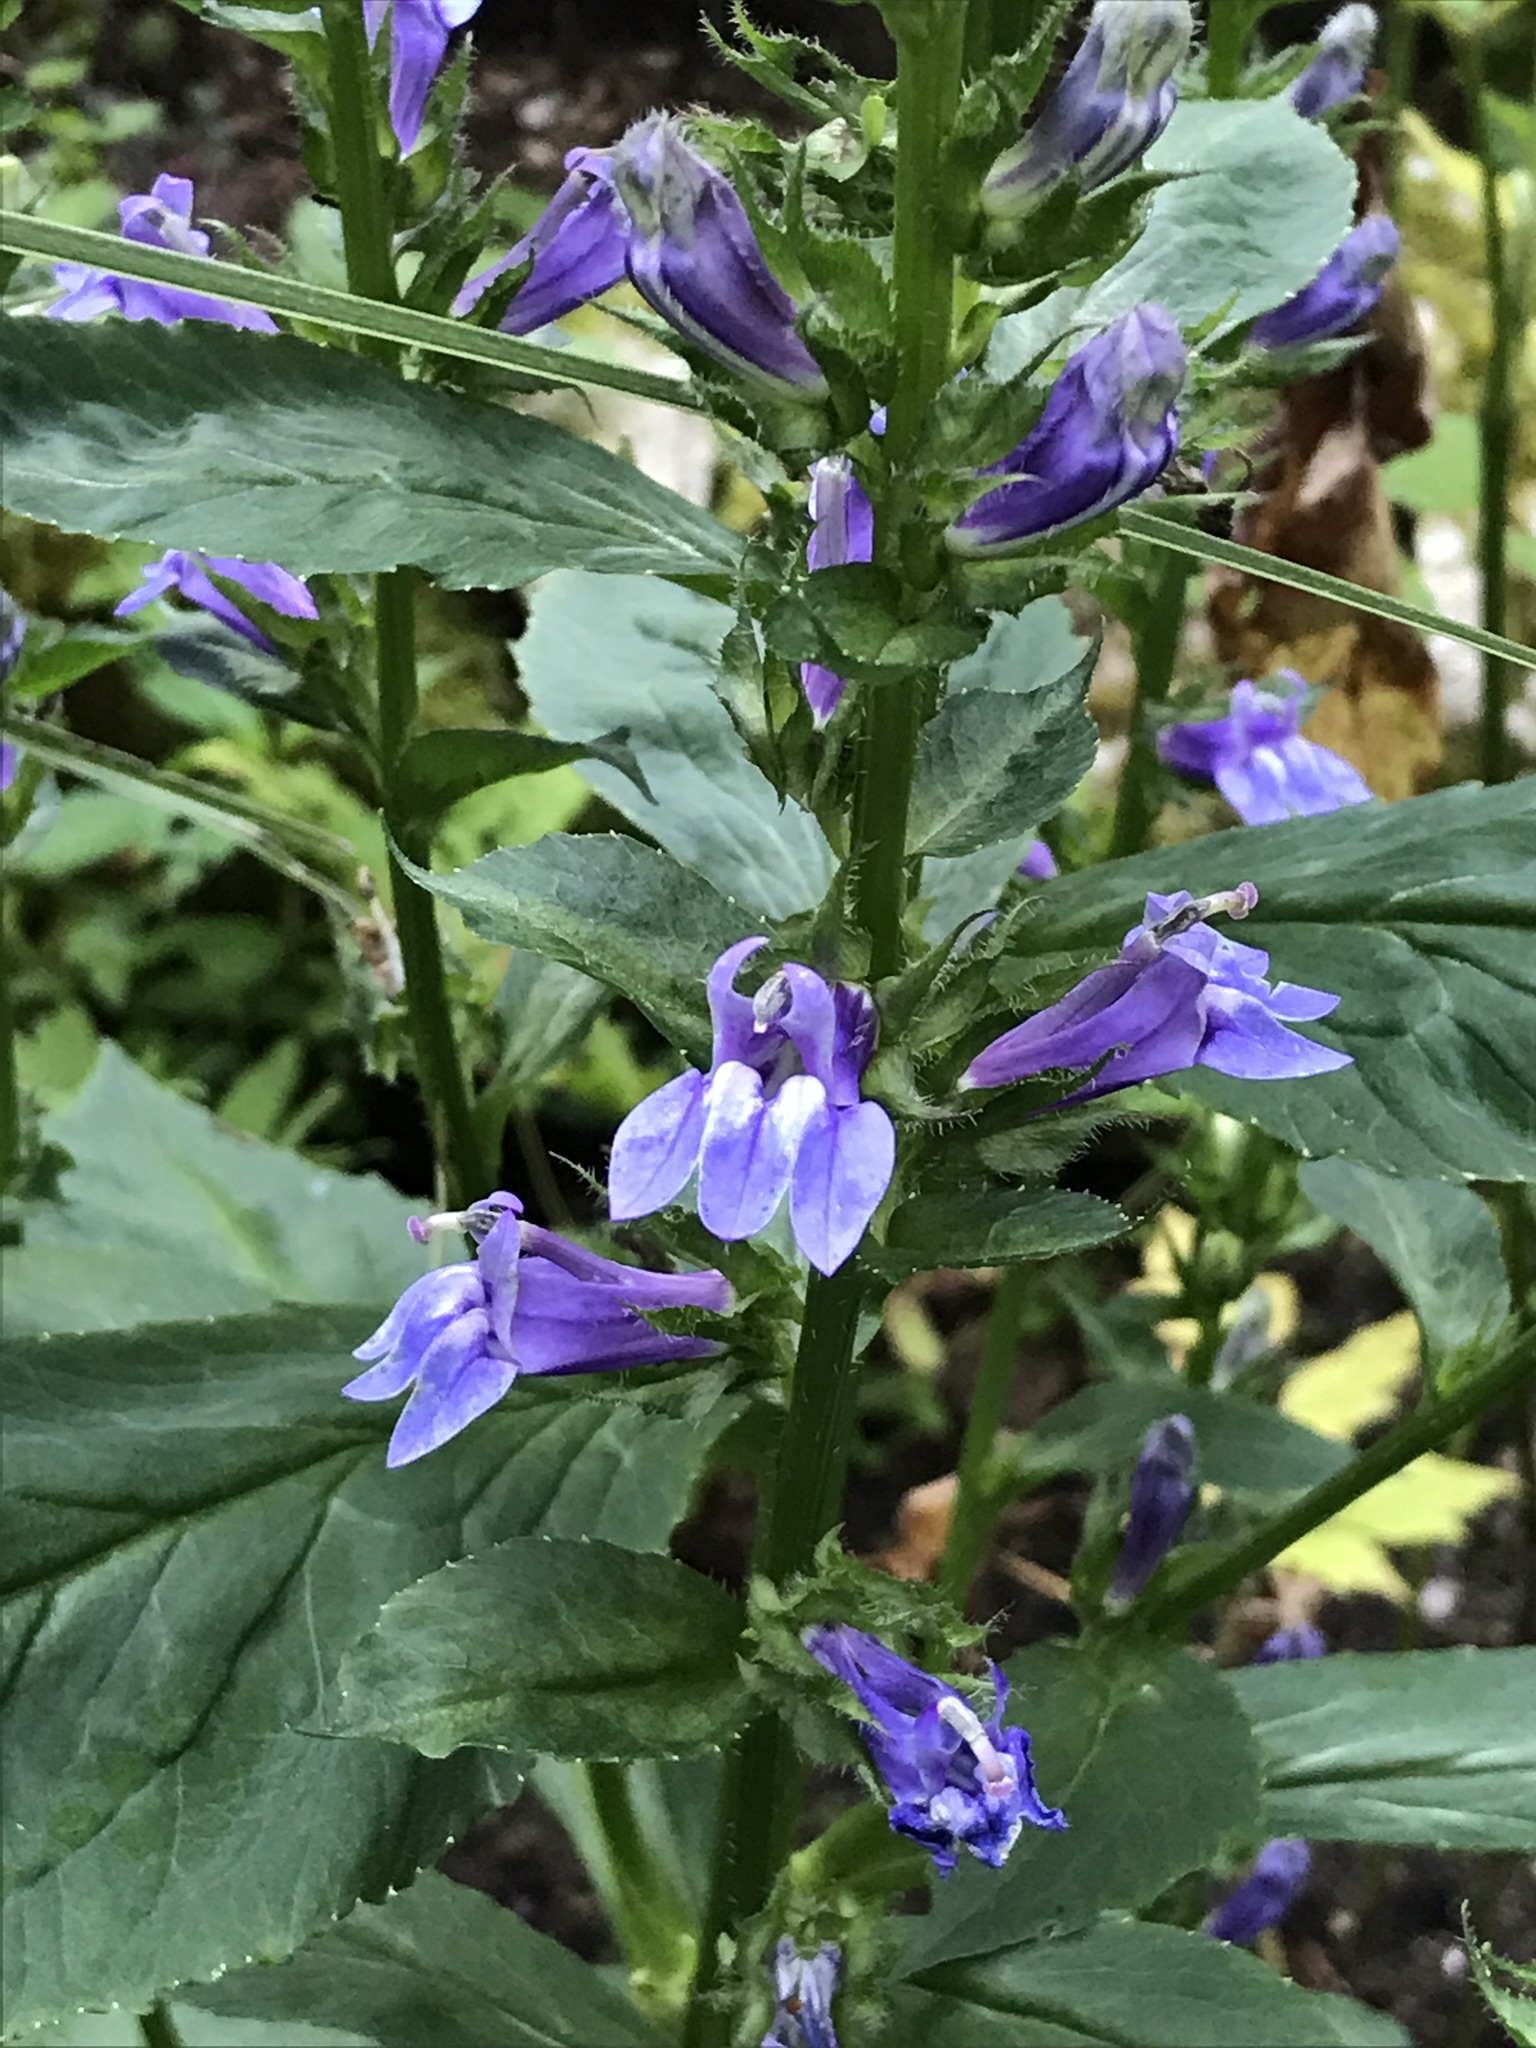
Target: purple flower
[(577, 246), (1258, 759), (844, 531), (529, 1302), (778, 1112), (692, 255), (160, 218), (1109, 428), (188, 574), (802, 1996), (1178, 996), (1337, 72), (1039, 864), (1117, 97), (1278, 1874), (1162, 1494), (1339, 298), (1290, 1645), (13, 630), (956, 1781), (418, 42)]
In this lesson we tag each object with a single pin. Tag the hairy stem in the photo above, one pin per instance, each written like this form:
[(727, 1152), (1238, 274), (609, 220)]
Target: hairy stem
[(1157, 651), (971, 1518)]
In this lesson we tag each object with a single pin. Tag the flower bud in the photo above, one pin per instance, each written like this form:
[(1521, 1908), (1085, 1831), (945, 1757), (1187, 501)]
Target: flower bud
[(1117, 97), (802, 1996), (1340, 296), (1337, 72), (843, 530), (693, 256), (1278, 1874), (577, 247), (1162, 1494)]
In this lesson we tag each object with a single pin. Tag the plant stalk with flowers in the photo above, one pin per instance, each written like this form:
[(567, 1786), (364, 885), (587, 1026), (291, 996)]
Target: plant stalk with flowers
[(903, 971)]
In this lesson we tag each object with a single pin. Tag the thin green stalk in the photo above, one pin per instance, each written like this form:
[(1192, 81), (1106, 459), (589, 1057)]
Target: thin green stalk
[(158, 2028), (1157, 651), (651, 1920), (974, 1510), (1425, 1430), (365, 220), (1227, 23)]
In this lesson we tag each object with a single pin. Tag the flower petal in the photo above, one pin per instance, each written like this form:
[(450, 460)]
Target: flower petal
[(656, 1148), (1245, 1040), (566, 1325), (746, 1155), (843, 1166), (459, 1380)]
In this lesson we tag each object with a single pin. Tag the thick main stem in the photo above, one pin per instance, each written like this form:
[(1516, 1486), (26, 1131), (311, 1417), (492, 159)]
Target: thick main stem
[(971, 1517), (1157, 652), (1227, 24)]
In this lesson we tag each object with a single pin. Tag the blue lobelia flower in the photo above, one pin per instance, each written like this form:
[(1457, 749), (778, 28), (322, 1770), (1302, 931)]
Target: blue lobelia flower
[(577, 247), (1039, 864), (1337, 72), (1117, 97), (1340, 296), (956, 1782), (1278, 1874), (1162, 1494), (692, 256), (160, 218), (1291, 1645), (529, 1302), (778, 1113), (188, 573), (1258, 759), (418, 42), (1108, 430), (1178, 996), (802, 1996), (843, 531), (13, 631)]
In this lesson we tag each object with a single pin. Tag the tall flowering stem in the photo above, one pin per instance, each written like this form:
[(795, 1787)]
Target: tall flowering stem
[(1157, 653), (365, 225), (975, 1504)]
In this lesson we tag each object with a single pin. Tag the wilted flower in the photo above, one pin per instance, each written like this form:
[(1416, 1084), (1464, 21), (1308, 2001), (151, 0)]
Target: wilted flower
[(692, 255), (843, 531), (1039, 864), (529, 1302), (802, 1996), (1278, 1874), (1340, 296), (1178, 996), (1162, 1494), (1337, 72), (1108, 430), (1258, 759), (577, 247), (1290, 1645), (160, 218), (1117, 97), (188, 573), (418, 42), (778, 1112), (956, 1781)]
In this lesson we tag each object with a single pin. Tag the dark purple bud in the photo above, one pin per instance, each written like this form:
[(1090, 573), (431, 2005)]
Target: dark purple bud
[(802, 1996), (1108, 430), (1337, 72), (1259, 760), (1290, 1645), (1117, 97), (1278, 1874), (160, 218), (1342, 294), (692, 255), (843, 531), (577, 247), (1162, 1494), (418, 42)]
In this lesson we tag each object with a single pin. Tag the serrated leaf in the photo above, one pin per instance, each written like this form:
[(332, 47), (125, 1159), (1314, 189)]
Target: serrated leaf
[(448, 762), (848, 617), (996, 1228)]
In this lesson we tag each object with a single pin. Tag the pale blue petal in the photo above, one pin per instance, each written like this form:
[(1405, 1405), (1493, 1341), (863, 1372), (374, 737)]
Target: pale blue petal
[(746, 1155), (656, 1148), (843, 1166)]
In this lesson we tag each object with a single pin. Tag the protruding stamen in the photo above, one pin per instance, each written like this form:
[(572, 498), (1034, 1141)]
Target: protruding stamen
[(771, 1001), (996, 1776), (473, 1222), (1235, 903)]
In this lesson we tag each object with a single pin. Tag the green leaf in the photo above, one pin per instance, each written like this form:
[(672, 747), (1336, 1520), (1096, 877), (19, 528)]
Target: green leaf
[(622, 912), (644, 654), (207, 437), (573, 1649), (994, 761), (199, 1523), (450, 762), (1126, 1985), (996, 1228), (1436, 1747), (1111, 1732), (206, 651), (438, 1963), (1514, 2009), (52, 657), (847, 617), (546, 1011), (1421, 917), (1438, 1241), (167, 1214)]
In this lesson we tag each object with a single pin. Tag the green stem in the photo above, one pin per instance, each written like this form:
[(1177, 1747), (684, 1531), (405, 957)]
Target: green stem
[(1422, 1431), (974, 1510), (1226, 30), (651, 1920), (158, 2028), (365, 218), (1157, 651)]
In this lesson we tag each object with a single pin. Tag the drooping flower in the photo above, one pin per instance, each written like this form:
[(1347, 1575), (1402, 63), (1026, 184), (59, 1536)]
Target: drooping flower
[(1039, 864), (1340, 296), (692, 256), (1162, 1494), (1117, 97), (843, 531), (1337, 72), (1178, 996), (160, 218), (187, 573), (1108, 430), (1257, 758), (418, 42), (778, 1113), (1278, 1874), (802, 1996), (577, 246), (955, 1781), (1290, 1645), (529, 1302)]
